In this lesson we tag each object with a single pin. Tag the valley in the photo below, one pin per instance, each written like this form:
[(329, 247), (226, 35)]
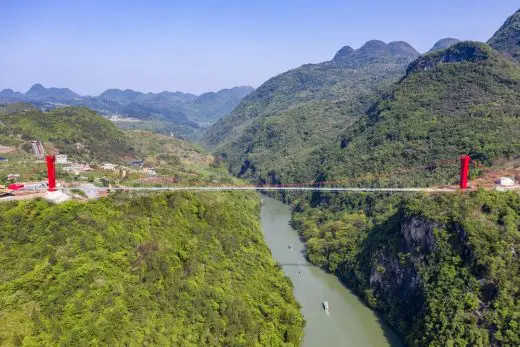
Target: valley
[(327, 206)]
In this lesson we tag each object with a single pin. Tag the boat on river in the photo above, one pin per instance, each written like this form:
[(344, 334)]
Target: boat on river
[(326, 306)]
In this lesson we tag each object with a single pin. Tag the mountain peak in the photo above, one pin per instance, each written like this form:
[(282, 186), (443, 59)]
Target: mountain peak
[(403, 48), (39, 91), (375, 51), (374, 46), (379, 48), (507, 38), (343, 52), (9, 93), (36, 89), (444, 43)]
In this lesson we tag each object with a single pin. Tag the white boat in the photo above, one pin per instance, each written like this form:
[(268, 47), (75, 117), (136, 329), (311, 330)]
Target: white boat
[(326, 306)]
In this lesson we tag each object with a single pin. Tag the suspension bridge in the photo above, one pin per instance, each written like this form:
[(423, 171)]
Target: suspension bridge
[(323, 186), (282, 187), (353, 184)]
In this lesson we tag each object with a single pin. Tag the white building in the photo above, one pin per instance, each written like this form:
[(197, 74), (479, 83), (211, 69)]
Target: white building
[(108, 166), (61, 159), (149, 171), (505, 181)]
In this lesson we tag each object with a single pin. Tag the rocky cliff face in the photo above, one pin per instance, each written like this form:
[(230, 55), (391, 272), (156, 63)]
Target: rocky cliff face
[(395, 278), (440, 276)]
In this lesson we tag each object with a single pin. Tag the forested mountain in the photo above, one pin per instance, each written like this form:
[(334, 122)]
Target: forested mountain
[(293, 112), (464, 99), (206, 108), (174, 269), (76, 131), (210, 107), (184, 114), (507, 38)]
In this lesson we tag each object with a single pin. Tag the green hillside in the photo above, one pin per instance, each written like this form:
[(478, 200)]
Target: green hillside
[(442, 269), (507, 38), (210, 107), (461, 100), (175, 269), (79, 132), (6, 109), (305, 107)]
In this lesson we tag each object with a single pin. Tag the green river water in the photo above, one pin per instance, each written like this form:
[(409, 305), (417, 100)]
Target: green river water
[(349, 322)]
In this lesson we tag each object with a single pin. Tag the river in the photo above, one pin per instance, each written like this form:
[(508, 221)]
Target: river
[(349, 322)]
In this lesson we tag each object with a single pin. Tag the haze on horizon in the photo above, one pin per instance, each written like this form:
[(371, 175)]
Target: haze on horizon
[(201, 45)]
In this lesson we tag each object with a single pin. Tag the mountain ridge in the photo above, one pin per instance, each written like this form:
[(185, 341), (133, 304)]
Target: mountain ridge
[(184, 114), (39, 89), (419, 120)]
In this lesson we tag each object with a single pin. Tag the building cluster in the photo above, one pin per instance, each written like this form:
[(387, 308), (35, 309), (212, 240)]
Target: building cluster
[(68, 166), (114, 167)]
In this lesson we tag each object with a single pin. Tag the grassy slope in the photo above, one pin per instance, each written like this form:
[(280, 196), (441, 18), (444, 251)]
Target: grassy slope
[(173, 157), (173, 269)]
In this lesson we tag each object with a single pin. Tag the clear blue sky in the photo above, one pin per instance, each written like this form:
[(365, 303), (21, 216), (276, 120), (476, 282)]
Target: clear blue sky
[(197, 46)]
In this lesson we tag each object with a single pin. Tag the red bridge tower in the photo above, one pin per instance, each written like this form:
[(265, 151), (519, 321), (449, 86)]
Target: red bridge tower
[(51, 172), (464, 170)]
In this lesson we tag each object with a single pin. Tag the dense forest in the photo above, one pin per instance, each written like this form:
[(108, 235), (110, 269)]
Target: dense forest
[(172, 269), (462, 100), (506, 38)]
